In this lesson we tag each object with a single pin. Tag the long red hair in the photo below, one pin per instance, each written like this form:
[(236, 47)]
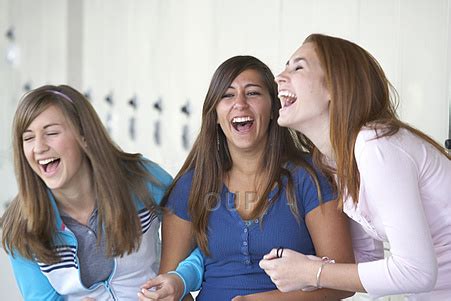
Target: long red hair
[(361, 95)]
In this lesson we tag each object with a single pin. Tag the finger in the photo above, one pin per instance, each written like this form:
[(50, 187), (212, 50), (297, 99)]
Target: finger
[(154, 295), (266, 264), (141, 297), (271, 255), (152, 283)]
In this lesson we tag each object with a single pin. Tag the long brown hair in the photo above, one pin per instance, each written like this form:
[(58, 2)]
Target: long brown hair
[(361, 95), (29, 222), (210, 158)]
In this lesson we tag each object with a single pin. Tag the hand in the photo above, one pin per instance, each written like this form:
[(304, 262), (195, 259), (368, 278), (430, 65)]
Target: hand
[(293, 271), (165, 287)]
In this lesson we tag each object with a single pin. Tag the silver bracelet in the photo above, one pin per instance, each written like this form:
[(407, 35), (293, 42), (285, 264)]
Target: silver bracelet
[(324, 261)]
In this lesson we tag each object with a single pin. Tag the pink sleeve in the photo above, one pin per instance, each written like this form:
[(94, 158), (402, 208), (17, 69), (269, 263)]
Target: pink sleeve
[(390, 177), (365, 247)]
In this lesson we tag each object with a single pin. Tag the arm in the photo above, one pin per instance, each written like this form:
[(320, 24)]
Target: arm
[(191, 271), (390, 177), (330, 234), (32, 283), (365, 247), (392, 182), (289, 296), (177, 243)]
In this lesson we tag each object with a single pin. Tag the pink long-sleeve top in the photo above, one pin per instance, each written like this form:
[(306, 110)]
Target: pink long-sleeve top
[(405, 201)]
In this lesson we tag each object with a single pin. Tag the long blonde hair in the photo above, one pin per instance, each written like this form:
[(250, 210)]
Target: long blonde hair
[(29, 222)]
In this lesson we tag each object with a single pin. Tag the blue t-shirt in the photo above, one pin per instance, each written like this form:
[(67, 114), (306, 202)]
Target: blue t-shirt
[(236, 246)]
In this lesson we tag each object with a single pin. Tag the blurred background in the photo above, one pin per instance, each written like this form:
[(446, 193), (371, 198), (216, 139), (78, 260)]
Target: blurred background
[(146, 64)]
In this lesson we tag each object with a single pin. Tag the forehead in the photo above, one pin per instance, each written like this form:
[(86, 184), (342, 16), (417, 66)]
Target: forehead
[(51, 115), (306, 51), (248, 77)]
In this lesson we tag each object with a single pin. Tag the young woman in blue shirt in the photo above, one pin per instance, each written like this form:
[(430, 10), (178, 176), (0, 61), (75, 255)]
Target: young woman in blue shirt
[(245, 188)]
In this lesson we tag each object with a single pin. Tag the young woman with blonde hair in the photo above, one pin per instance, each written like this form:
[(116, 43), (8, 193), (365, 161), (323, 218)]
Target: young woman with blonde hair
[(85, 221)]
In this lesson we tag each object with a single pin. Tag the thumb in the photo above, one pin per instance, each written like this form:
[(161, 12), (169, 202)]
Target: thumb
[(266, 264)]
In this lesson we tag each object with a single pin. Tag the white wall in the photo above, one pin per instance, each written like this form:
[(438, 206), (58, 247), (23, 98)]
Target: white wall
[(169, 49)]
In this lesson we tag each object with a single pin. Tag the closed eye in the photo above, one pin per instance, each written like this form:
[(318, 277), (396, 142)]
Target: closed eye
[(227, 95)]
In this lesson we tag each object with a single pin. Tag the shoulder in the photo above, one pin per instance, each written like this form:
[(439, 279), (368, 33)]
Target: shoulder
[(370, 142), (402, 151), (178, 198), (306, 175), (157, 172), (159, 181), (300, 171), (184, 182)]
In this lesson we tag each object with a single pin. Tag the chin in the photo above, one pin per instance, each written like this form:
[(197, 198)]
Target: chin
[(283, 122), (53, 185)]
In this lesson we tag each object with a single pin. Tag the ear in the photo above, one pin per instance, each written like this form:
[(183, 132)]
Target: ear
[(83, 141)]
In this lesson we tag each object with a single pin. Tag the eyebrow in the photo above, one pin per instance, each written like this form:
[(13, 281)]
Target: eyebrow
[(297, 59), (248, 85), (45, 126)]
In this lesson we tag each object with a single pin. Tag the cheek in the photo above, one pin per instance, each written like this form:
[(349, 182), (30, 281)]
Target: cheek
[(267, 115), (28, 153), (314, 88), (29, 158), (221, 115), (218, 114)]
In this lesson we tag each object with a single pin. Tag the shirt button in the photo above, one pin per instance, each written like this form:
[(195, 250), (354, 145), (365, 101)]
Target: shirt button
[(245, 243), (245, 230), (89, 232), (247, 261)]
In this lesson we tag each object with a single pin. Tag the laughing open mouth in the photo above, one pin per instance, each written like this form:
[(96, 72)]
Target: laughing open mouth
[(287, 98), (49, 165), (242, 124)]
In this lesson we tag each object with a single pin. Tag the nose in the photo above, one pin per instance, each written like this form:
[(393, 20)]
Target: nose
[(281, 78), (40, 145), (240, 102)]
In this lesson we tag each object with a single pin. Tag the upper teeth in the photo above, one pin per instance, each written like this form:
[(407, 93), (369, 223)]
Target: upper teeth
[(242, 119), (286, 94), (47, 161)]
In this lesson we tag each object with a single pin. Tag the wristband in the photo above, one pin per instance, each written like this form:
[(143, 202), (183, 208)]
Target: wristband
[(324, 261), (183, 281)]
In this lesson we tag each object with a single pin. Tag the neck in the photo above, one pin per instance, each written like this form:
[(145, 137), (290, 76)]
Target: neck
[(244, 179), (77, 201), (246, 163), (318, 131), (246, 171)]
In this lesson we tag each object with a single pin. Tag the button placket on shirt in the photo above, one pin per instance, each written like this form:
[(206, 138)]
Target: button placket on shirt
[(245, 244)]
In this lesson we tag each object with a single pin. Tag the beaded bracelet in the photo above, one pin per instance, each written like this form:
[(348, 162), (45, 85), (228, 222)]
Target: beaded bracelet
[(324, 261)]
